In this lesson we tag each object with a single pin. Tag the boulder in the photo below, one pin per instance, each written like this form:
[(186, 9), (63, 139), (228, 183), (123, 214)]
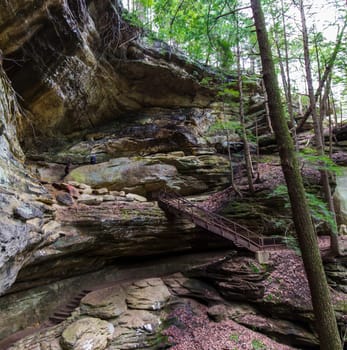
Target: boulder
[(87, 333), (64, 198), (147, 175), (27, 212), (149, 294), (137, 329), (136, 197), (90, 199), (105, 303)]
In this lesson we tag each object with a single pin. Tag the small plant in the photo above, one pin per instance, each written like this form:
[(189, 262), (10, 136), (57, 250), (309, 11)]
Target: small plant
[(309, 156), (258, 345), (269, 297), (234, 337), (318, 208), (254, 267), (292, 243)]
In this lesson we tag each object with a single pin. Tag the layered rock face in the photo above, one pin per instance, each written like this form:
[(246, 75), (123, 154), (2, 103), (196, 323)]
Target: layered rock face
[(156, 313), (90, 84), (23, 219), (77, 64)]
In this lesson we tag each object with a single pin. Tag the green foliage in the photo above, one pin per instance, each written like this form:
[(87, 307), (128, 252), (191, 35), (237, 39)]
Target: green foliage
[(320, 211), (234, 337), (228, 92), (147, 3), (133, 19), (269, 297), (197, 27), (309, 155), (318, 208), (206, 81), (226, 125), (280, 191), (292, 243), (258, 345), (254, 267)]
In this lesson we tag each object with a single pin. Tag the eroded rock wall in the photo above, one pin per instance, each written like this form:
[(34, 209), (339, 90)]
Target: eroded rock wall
[(88, 82), (19, 234), (73, 66), (77, 64)]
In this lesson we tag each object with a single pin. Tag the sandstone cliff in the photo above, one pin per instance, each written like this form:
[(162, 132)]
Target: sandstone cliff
[(75, 66), (75, 80)]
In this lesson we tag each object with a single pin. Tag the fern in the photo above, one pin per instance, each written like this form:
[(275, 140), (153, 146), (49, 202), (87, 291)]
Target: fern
[(318, 208), (226, 125), (309, 155)]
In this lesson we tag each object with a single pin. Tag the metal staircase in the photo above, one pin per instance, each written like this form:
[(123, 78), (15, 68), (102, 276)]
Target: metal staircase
[(241, 236)]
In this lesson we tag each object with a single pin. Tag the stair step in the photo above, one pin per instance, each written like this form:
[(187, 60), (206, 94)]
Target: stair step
[(57, 320), (72, 305), (86, 291), (79, 296), (76, 300), (57, 316), (62, 314)]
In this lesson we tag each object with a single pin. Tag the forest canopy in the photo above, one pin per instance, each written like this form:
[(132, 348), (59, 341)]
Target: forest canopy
[(210, 30)]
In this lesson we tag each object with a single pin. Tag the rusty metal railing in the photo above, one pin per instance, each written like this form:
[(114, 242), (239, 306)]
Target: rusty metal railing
[(218, 224)]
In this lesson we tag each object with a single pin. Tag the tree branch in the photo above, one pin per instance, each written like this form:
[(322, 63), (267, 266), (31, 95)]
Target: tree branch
[(326, 73), (231, 12)]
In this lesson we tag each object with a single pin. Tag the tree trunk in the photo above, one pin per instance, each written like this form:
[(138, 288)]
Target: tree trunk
[(326, 73), (333, 105), (267, 107), (322, 306), (284, 69), (317, 125), (232, 180), (246, 150), (324, 110), (289, 82)]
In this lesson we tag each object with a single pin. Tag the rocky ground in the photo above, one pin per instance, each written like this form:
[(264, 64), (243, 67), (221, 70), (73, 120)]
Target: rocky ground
[(186, 313), (234, 303), (196, 326), (196, 331)]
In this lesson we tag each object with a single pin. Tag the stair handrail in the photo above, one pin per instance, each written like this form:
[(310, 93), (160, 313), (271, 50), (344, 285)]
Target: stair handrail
[(250, 237)]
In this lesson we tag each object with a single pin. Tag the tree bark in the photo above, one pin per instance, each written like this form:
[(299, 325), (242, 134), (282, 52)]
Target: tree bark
[(326, 73), (318, 127), (289, 82), (267, 107), (232, 180), (246, 150), (322, 306)]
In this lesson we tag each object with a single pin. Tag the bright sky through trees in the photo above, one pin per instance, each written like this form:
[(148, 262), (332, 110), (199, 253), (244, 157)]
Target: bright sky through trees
[(206, 33)]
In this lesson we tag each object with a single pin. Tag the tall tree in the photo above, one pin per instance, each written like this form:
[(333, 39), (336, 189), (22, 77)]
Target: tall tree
[(328, 68), (318, 127), (280, 35), (246, 149), (322, 306)]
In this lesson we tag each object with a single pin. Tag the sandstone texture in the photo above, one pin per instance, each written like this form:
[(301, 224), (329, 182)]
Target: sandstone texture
[(106, 120), (87, 333)]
